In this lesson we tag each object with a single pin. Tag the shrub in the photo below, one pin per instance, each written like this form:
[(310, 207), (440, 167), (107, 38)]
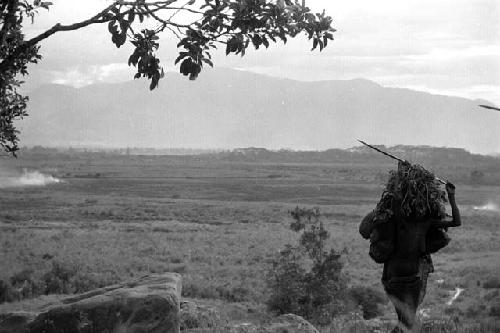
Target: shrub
[(178, 268), (369, 300), (57, 279), (492, 283), (495, 310), (26, 285), (176, 260), (7, 294), (476, 176), (287, 282), (235, 294), (492, 295), (193, 290), (21, 277), (200, 318), (474, 310), (306, 279)]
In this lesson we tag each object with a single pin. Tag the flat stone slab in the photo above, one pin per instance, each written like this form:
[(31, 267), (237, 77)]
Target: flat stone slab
[(149, 304)]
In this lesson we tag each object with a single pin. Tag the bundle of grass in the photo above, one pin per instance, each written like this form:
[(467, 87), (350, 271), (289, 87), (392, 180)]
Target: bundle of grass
[(412, 193)]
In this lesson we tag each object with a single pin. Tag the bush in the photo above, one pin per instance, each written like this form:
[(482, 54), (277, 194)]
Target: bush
[(307, 279), (369, 300), (492, 295), (57, 280), (476, 176), (287, 282), (235, 294), (7, 294), (475, 310), (200, 318), (495, 310), (26, 284), (21, 277), (492, 283), (193, 290)]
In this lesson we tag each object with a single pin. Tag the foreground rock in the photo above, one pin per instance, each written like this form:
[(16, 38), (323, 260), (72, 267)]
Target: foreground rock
[(146, 305)]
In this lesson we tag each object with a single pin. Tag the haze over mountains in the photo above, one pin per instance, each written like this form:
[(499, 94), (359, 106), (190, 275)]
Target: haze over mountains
[(227, 109)]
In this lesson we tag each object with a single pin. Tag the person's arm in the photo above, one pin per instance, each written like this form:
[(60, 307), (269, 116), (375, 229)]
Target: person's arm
[(366, 225), (455, 213)]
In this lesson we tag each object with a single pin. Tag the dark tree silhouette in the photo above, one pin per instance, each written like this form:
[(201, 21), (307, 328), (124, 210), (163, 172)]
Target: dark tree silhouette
[(235, 24)]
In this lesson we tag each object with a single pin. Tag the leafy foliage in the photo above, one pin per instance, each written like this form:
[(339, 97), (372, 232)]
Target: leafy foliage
[(12, 103), (411, 192), (236, 24), (307, 279)]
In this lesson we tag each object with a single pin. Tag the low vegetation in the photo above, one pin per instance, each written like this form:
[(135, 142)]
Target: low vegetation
[(222, 225), (307, 279)]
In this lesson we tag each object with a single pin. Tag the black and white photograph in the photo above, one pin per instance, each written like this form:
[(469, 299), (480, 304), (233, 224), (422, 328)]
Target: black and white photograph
[(249, 166)]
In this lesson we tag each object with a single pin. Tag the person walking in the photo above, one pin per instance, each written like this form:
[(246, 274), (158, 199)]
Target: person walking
[(406, 240)]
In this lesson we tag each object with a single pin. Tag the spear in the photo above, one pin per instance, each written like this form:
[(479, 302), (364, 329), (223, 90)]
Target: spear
[(395, 158)]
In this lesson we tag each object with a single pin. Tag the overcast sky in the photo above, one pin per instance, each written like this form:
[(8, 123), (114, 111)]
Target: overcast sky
[(441, 46)]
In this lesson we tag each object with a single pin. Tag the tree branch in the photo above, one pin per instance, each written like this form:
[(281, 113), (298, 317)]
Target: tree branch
[(98, 18), (165, 23), (174, 32), (177, 11), (194, 11)]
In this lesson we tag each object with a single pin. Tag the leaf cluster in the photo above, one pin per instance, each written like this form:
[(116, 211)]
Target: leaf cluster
[(411, 192), (144, 58)]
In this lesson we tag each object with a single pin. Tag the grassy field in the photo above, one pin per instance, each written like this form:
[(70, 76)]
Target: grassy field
[(219, 224)]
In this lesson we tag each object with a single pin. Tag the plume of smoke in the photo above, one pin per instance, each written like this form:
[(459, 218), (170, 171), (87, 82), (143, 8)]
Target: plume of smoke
[(26, 178), (490, 206)]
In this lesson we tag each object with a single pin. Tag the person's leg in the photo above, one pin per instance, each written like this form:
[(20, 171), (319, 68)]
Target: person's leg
[(404, 295), (397, 329), (398, 306), (425, 269)]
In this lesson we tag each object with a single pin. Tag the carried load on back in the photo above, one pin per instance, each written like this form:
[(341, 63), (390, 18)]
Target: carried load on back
[(412, 193)]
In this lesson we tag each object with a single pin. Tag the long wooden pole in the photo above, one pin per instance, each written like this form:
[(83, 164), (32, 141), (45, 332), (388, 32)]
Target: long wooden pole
[(395, 158)]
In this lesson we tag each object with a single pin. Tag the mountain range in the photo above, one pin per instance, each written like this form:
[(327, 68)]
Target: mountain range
[(227, 108)]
